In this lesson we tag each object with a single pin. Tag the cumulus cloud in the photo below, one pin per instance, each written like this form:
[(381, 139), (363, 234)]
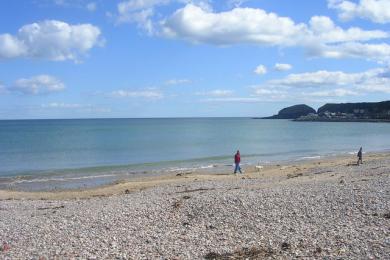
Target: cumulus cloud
[(51, 39), (251, 25), (320, 37), (323, 29), (37, 85), (330, 41), (375, 10), (141, 12), (282, 67), (197, 22), (240, 25), (260, 70), (147, 94), (11, 47)]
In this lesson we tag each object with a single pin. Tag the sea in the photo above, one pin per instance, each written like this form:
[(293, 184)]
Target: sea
[(82, 153)]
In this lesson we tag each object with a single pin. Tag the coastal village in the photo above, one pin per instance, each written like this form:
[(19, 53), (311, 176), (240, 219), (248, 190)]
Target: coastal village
[(348, 112), (358, 114)]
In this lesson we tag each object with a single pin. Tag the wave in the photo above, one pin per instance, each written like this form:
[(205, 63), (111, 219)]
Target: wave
[(310, 157), (64, 179)]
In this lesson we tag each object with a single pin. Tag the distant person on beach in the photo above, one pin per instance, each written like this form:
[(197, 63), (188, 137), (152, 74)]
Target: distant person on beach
[(360, 156), (237, 160)]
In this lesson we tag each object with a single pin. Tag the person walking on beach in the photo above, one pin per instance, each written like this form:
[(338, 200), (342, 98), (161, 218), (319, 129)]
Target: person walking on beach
[(237, 160), (360, 156)]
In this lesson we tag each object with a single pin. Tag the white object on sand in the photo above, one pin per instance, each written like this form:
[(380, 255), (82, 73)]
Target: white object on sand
[(259, 167)]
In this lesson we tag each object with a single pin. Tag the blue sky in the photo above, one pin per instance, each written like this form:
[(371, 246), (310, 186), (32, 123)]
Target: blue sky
[(185, 58)]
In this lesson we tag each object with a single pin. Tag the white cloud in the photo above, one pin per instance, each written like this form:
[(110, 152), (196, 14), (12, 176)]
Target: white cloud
[(148, 94), (319, 86), (315, 79), (11, 47), (251, 25), (324, 30), (339, 92), (375, 10), (197, 22), (141, 12), (240, 25), (177, 82), (37, 85), (374, 80), (51, 39), (260, 70), (216, 93), (320, 37), (329, 41), (282, 67), (377, 52), (92, 6)]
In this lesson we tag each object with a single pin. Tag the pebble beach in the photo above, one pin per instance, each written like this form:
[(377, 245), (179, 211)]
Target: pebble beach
[(323, 209)]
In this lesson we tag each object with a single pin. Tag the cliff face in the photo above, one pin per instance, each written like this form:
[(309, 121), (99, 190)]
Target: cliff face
[(375, 110), (293, 112)]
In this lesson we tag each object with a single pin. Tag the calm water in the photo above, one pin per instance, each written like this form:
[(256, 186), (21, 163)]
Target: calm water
[(76, 151)]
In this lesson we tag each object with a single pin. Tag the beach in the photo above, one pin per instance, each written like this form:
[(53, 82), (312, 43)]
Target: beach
[(328, 208)]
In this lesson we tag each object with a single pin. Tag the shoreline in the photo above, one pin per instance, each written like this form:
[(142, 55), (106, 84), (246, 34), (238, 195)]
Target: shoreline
[(328, 208), (140, 183), (100, 176)]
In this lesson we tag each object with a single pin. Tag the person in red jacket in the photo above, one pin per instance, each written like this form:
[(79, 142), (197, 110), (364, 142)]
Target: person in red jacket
[(237, 160)]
